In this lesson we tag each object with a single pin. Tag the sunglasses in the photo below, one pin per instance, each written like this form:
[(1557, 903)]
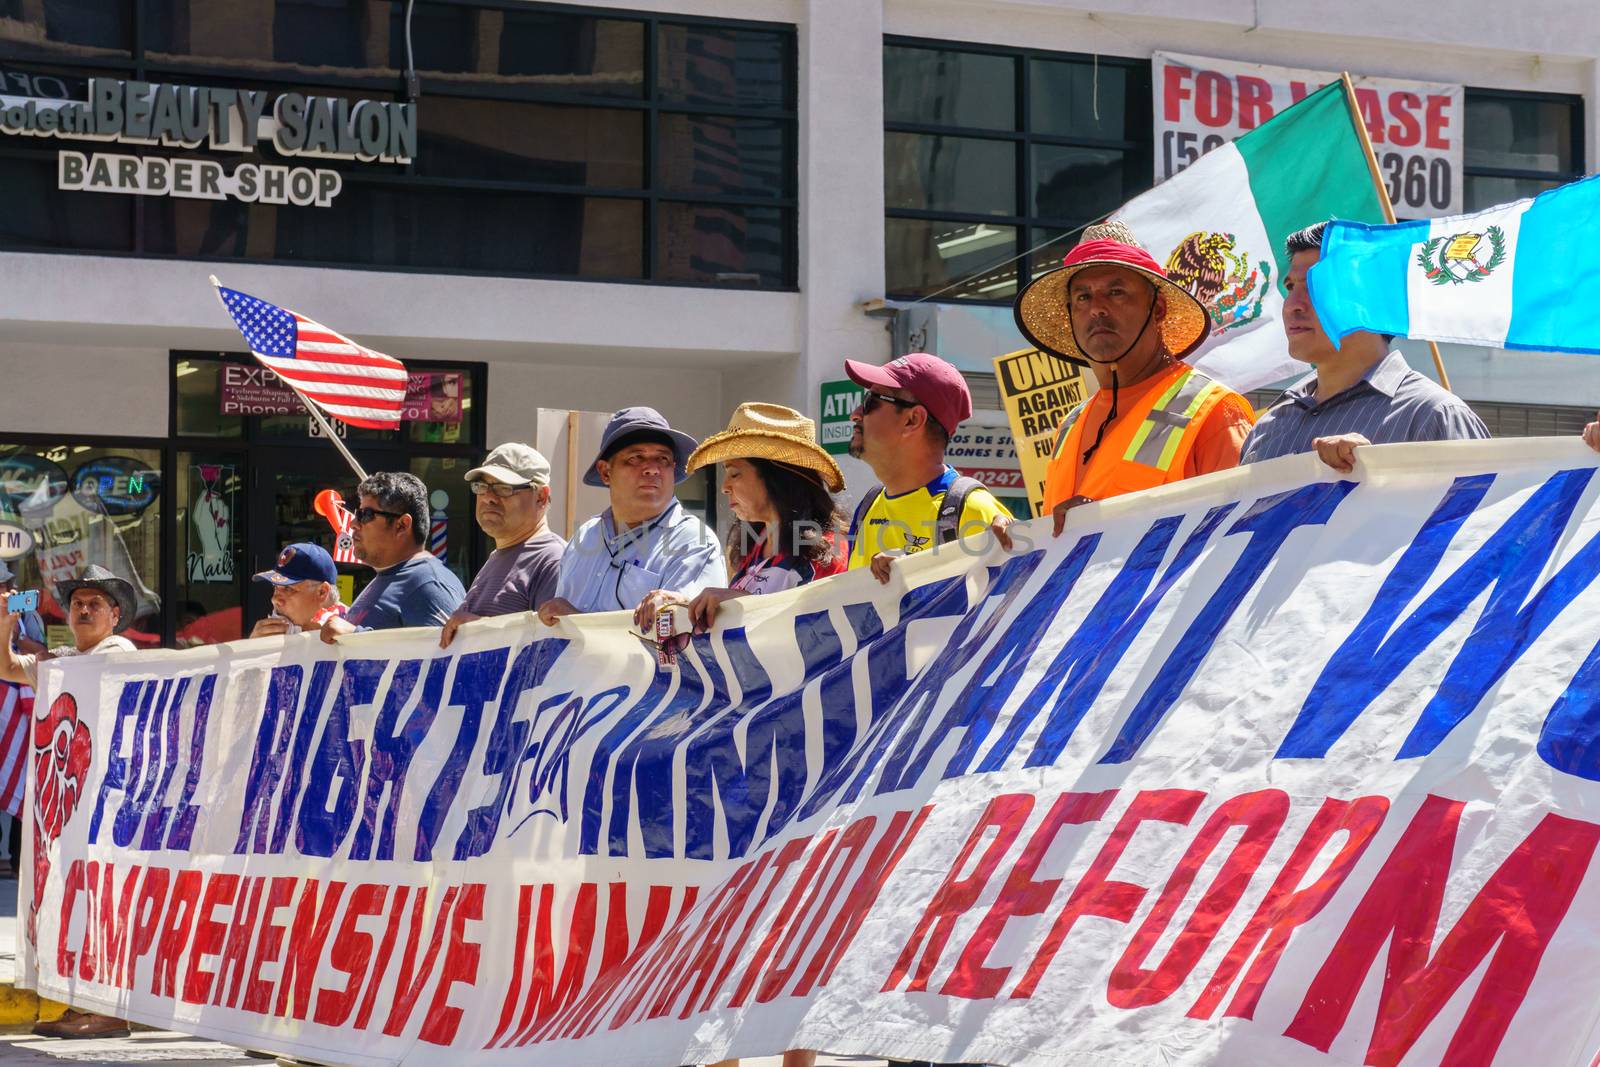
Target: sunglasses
[(365, 515), (501, 491), (872, 400)]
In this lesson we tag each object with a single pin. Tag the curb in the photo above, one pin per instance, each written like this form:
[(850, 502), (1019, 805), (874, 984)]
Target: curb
[(21, 1008)]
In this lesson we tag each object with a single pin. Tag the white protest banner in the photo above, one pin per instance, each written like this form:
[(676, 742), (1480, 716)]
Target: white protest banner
[(1270, 767), (1416, 127)]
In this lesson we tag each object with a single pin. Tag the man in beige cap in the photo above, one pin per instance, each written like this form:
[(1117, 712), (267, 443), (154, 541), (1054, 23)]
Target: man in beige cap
[(512, 490)]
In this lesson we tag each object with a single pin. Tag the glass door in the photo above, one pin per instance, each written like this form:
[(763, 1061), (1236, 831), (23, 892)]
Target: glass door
[(286, 482)]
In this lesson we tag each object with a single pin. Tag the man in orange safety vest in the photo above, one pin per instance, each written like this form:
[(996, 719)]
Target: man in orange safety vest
[(1155, 419)]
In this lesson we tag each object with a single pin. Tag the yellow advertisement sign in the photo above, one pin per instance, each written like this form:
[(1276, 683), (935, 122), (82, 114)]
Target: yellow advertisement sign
[(1037, 391)]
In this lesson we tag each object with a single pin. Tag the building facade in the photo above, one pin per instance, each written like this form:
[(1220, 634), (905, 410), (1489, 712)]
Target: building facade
[(687, 203)]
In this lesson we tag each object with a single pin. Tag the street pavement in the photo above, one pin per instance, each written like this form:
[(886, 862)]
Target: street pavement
[(159, 1046)]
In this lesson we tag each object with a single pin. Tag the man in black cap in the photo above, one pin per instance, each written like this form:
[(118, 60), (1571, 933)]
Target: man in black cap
[(645, 542), (99, 607)]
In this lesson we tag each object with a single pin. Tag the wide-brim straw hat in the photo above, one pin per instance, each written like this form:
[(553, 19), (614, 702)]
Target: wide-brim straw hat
[(772, 432), (1044, 316)]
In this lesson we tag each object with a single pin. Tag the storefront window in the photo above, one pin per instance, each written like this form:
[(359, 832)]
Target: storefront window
[(1520, 144), (210, 495), (451, 527), (549, 143), (81, 504), (223, 395), (985, 147)]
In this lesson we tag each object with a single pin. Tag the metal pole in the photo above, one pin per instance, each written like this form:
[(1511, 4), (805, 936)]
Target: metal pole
[(1383, 193)]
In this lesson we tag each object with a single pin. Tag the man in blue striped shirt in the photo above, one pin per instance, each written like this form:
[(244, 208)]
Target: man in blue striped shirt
[(1362, 393)]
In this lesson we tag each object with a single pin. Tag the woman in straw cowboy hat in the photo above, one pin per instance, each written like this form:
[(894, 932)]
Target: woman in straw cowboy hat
[(780, 484)]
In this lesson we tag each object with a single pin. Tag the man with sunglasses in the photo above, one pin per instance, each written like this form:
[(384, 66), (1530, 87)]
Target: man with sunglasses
[(512, 497), (390, 534), (901, 430)]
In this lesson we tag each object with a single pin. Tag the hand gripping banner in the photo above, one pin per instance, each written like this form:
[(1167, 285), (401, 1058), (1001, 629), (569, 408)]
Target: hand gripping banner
[(1274, 766)]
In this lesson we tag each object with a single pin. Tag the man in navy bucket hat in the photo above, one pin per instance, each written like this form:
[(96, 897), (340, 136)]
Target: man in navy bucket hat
[(305, 591), (645, 541)]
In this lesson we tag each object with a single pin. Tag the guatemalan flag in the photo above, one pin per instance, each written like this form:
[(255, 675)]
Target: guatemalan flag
[(350, 382), (1522, 275)]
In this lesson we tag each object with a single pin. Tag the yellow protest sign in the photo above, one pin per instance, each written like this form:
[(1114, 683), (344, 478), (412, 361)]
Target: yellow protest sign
[(1037, 391)]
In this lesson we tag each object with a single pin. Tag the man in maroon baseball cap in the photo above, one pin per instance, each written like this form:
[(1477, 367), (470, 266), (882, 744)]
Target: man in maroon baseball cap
[(900, 429)]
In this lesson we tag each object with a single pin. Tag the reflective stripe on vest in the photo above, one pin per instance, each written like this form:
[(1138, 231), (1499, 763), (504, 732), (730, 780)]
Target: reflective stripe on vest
[(1066, 428), (1145, 446), (1156, 442)]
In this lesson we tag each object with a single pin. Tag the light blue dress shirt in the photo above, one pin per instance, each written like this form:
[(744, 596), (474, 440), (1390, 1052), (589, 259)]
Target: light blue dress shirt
[(603, 570)]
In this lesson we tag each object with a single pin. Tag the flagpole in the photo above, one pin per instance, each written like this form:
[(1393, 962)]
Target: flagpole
[(1383, 193), (309, 406)]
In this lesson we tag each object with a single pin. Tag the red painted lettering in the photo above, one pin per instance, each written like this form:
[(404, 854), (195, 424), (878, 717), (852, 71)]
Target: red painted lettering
[(208, 935), (66, 959), (1005, 815), (1022, 896), (1175, 90), (175, 932), (1287, 905), (1255, 101), (1261, 815), (413, 977), (1404, 130), (397, 907), (269, 942), (308, 932), (1371, 113), (147, 917), (1094, 894), (460, 968), (863, 894), (1510, 921), (1213, 98), (1436, 120), (351, 953), (236, 950)]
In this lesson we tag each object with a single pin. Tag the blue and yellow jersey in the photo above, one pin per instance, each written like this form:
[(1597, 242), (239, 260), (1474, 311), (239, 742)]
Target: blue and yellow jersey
[(907, 523)]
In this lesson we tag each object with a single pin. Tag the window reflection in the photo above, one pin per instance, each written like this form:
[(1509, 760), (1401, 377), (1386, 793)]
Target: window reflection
[(83, 504)]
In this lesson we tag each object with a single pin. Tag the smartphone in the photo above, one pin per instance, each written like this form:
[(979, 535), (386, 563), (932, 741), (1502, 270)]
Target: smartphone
[(26, 600)]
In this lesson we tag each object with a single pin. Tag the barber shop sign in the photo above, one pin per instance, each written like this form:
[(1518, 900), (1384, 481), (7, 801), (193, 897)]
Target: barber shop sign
[(293, 125)]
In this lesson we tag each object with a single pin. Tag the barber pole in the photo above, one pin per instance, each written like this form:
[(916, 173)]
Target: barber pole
[(439, 528)]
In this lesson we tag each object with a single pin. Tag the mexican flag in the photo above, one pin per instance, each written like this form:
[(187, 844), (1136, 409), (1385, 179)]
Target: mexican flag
[(1219, 227)]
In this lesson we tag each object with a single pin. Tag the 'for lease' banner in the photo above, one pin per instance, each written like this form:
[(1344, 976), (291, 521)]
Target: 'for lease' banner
[(1415, 127), (1271, 767)]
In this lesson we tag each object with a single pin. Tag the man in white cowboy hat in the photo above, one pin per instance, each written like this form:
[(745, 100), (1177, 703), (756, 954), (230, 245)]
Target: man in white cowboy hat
[(1155, 419), (99, 606), (512, 494), (645, 541)]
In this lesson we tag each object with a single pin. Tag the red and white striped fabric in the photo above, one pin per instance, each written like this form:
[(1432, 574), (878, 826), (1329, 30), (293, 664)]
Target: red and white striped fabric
[(16, 716), (351, 382)]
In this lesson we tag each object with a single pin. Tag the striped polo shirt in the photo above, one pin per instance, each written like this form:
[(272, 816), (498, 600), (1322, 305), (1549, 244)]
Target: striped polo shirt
[(1390, 404)]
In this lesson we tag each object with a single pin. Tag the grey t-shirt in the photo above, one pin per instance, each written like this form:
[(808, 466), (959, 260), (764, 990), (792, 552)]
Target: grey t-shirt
[(518, 578)]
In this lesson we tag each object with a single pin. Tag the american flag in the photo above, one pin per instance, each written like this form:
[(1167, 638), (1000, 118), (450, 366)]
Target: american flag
[(16, 718), (348, 381)]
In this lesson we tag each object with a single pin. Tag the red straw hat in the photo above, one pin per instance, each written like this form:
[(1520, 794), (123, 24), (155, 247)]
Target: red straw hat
[(1044, 316)]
